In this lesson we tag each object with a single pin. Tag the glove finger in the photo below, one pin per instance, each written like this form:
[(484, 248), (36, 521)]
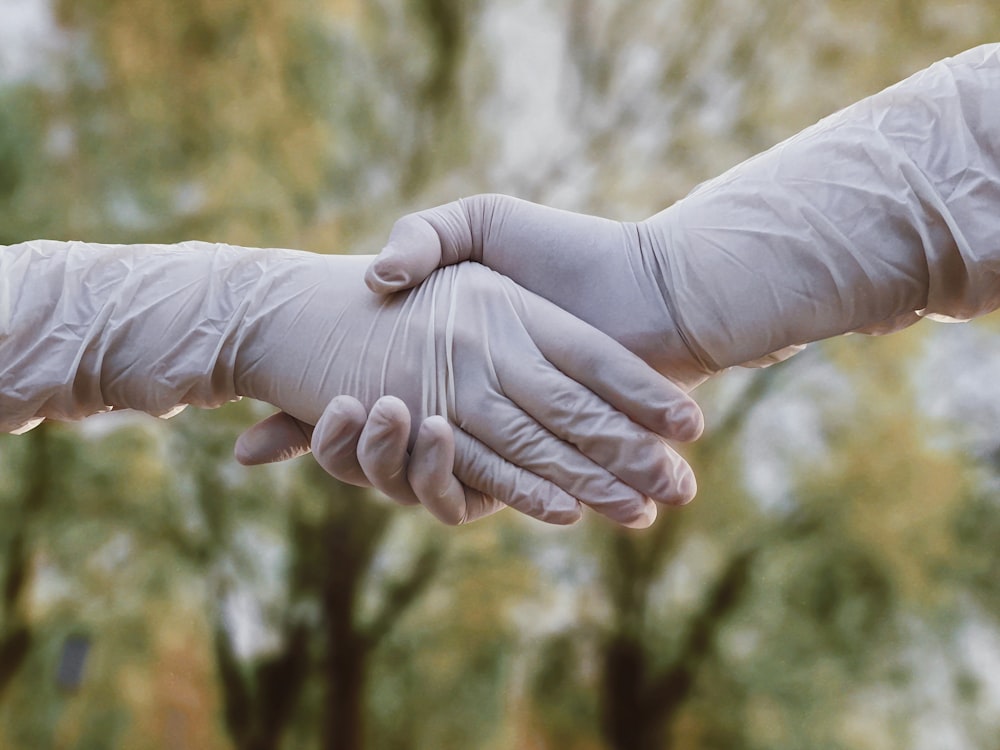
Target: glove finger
[(423, 241), (610, 370), (382, 452), (505, 428), (497, 230), (610, 439), (336, 448), (335, 440), (453, 502), (279, 437), (432, 462), (480, 468), (411, 254)]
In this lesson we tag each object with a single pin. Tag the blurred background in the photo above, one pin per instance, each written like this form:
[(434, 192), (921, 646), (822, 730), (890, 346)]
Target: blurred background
[(835, 585)]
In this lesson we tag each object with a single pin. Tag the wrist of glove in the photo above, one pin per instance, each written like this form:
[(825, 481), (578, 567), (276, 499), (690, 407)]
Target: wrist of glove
[(85, 328)]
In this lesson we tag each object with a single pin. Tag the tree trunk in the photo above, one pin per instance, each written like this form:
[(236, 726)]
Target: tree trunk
[(639, 707), (15, 634), (624, 696), (350, 537), (347, 666)]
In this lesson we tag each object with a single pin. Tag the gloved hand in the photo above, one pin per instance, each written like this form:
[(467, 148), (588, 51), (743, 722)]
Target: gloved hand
[(545, 410), (880, 214)]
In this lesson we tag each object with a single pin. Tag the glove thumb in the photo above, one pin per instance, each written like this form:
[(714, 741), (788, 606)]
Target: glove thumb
[(278, 438), (411, 255), (423, 241)]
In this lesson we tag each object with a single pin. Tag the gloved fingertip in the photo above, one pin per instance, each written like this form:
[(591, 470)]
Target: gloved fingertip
[(384, 276), (447, 511), (687, 488), (264, 444), (343, 418), (687, 422), (436, 428), (430, 473), (639, 516), (478, 505), (244, 452), (388, 415)]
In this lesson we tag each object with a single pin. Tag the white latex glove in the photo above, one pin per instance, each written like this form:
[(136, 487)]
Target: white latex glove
[(880, 214), (541, 405)]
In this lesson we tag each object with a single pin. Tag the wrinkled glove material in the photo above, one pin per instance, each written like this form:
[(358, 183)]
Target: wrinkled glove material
[(85, 328), (878, 215), (150, 327)]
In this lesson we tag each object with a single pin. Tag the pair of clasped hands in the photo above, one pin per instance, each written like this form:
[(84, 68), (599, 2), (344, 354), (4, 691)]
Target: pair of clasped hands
[(561, 346), (587, 381), (498, 352)]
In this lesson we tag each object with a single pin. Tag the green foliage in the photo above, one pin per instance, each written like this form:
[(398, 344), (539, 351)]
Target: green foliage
[(270, 607)]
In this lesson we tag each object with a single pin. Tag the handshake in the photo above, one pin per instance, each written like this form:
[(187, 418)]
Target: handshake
[(500, 352)]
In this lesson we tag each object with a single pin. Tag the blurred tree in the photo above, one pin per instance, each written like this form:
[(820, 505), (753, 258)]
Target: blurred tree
[(271, 609), (648, 660), (655, 97), (20, 510), (261, 125), (783, 614), (293, 124), (93, 573), (446, 676), (319, 644), (685, 90)]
